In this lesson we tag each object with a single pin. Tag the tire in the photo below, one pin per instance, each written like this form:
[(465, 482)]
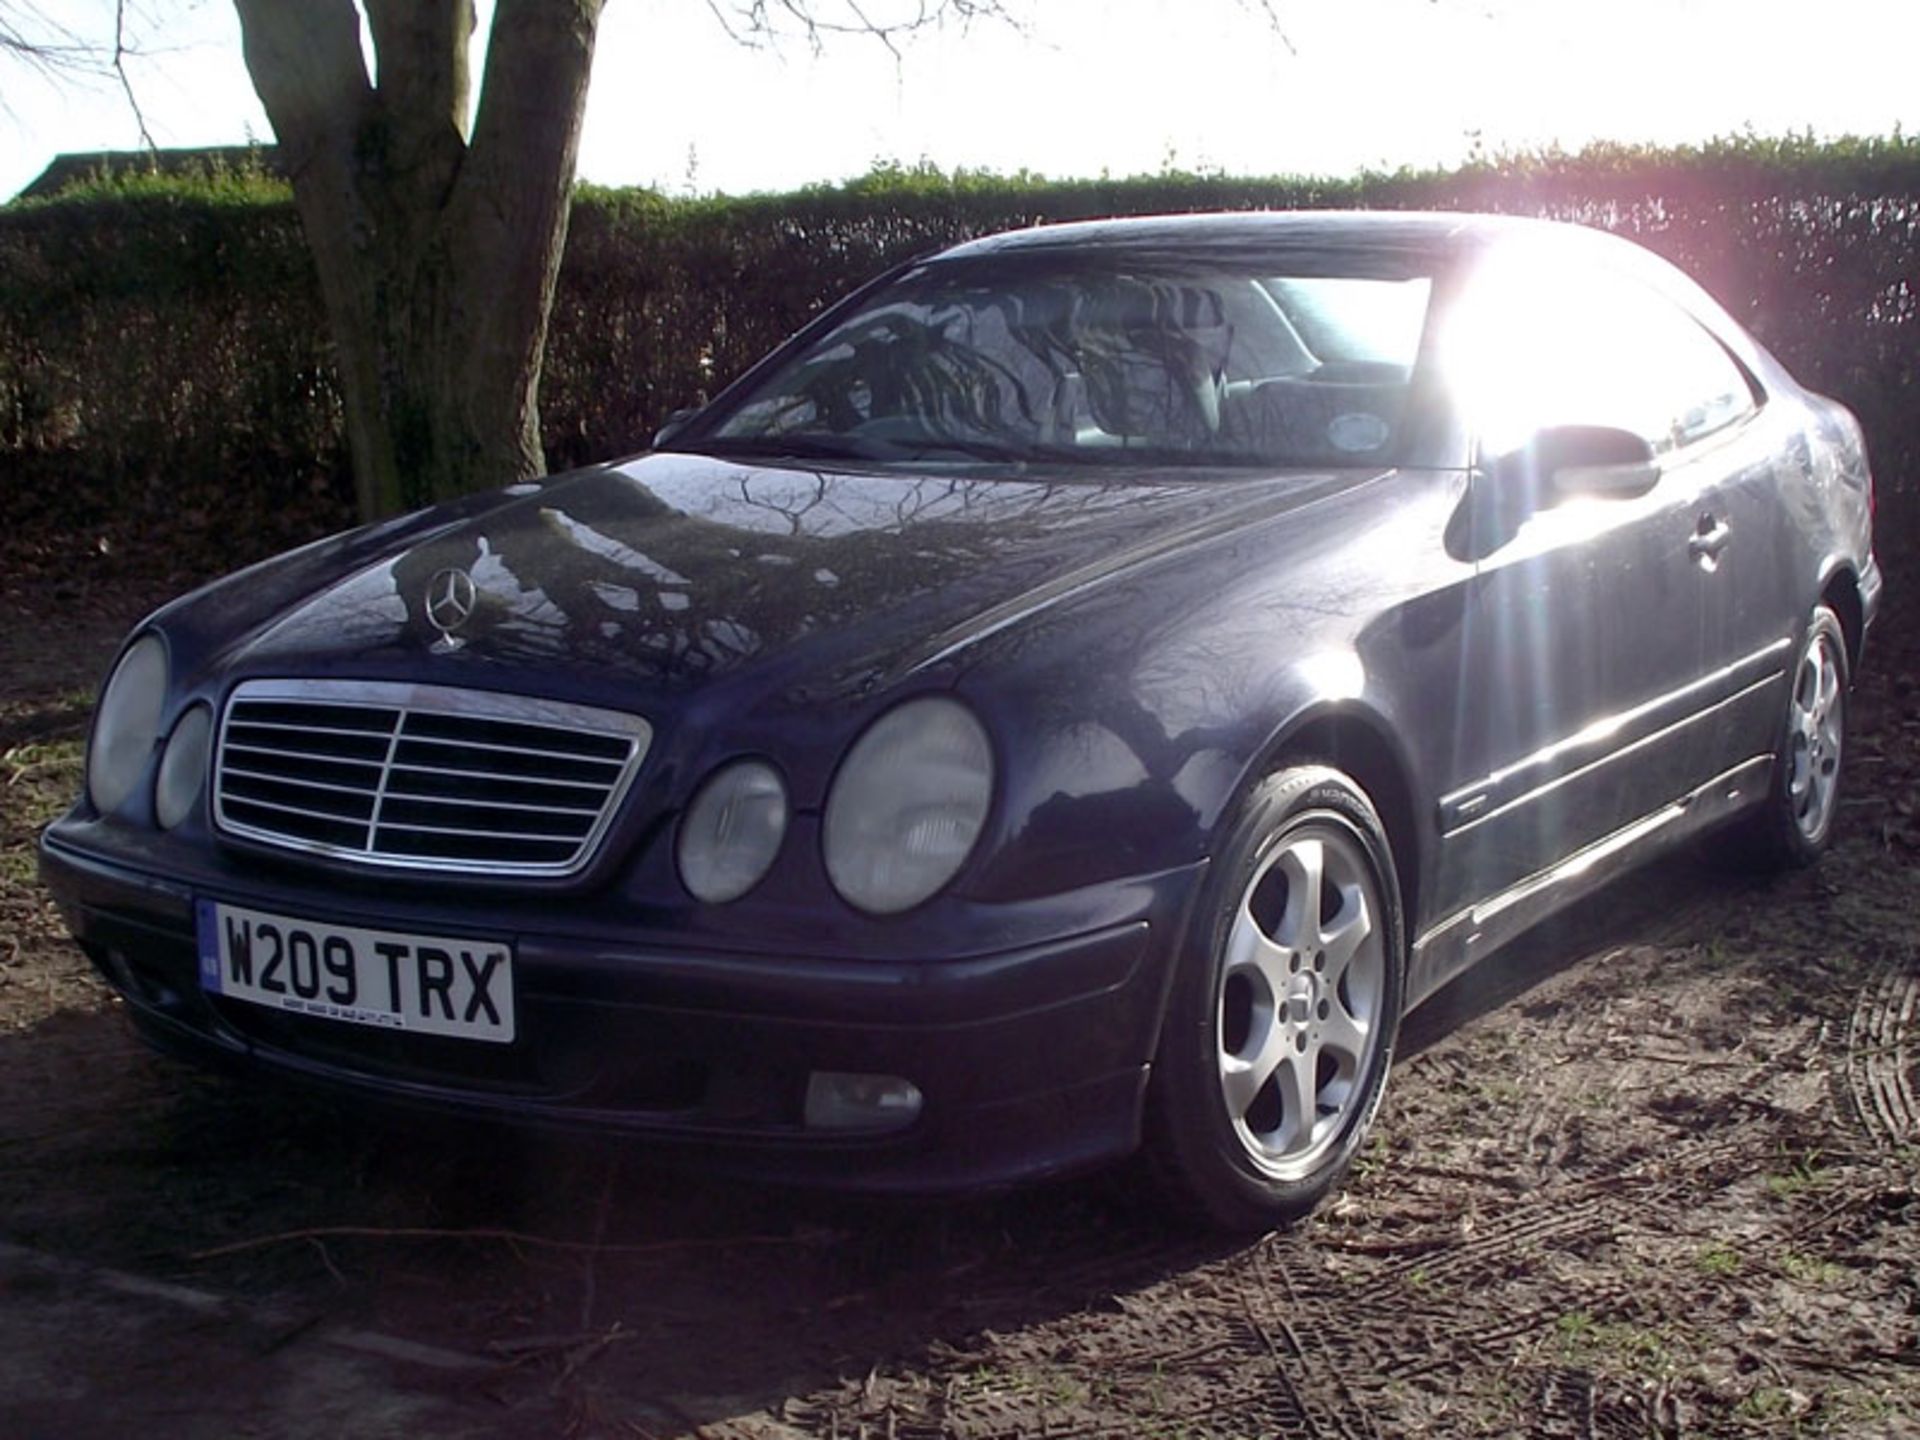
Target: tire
[(1281, 1025), (1794, 826)]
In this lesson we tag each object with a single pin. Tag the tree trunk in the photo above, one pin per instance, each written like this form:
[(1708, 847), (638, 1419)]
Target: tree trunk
[(437, 254)]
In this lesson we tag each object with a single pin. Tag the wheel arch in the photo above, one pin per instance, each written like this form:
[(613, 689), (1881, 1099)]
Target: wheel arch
[(1841, 594), (1359, 743)]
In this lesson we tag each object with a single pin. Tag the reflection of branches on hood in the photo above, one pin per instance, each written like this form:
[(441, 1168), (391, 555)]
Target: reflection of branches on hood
[(606, 571), (794, 515), (732, 591)]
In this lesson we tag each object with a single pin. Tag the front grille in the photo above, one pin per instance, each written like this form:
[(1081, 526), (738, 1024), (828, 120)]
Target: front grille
[(423, 777)]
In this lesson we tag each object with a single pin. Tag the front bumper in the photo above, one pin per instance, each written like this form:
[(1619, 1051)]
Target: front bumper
[(1032, 1060)]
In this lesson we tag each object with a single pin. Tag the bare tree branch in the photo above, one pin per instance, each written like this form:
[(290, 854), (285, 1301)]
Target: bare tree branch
[(1267, 10), (760, 23), (120, 53), (29, 37)]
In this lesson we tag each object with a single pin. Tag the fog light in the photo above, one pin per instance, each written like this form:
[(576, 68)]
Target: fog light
[(837, 1101)]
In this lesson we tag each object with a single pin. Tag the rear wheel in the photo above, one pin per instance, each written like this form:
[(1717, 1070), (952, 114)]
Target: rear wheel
[(1795, 825), (1281, 1027)]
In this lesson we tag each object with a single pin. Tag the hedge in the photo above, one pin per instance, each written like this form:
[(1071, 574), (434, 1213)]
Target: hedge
[(162, 348)]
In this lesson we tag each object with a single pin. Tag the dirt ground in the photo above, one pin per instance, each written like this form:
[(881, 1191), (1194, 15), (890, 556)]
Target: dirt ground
[(1652, 1173)]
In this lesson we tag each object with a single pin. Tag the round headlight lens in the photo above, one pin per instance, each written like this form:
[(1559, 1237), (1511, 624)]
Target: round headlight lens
[(127, 724), (183, 767), (907, 805), (732, 831)]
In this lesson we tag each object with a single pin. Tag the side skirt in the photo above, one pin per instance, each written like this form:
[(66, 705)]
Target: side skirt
[(1470, 935)]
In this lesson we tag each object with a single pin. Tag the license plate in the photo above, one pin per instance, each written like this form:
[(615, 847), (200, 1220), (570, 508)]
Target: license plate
[(427, 984)]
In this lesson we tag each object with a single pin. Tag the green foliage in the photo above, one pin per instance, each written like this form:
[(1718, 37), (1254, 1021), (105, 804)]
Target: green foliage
[(38, 780), (231, 174), (1718, 1260), (215, 183), (161, 337)]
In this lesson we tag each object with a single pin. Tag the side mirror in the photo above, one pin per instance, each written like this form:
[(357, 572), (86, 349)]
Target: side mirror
[(1562, 462), (674, 424), (1593, 460)]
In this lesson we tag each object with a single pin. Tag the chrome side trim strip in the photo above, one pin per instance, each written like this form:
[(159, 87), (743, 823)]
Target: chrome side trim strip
[(1579, 754), (1624, 752)]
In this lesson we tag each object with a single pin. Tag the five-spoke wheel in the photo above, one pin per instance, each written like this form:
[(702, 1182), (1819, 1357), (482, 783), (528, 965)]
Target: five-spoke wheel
[(1280, 1030), (1796, 822), (1301, 983), (1816, 733)]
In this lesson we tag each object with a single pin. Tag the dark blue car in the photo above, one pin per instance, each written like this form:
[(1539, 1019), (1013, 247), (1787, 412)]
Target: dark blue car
[(1077, 695)]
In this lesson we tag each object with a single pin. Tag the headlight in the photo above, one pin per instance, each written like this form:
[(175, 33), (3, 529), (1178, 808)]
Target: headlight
[(127, 724), (907, 805), (732, 831), (183, 767)]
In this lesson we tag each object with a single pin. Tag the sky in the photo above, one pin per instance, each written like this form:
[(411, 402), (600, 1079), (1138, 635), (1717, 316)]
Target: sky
[(1086, 87)]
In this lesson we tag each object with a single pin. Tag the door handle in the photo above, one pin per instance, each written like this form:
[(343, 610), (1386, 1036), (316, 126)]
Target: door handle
[(1709, 539)]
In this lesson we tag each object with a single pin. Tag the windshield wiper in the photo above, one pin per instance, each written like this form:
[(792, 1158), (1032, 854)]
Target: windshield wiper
[(912, 448), (992, 450), (795, 447), (861, 447)]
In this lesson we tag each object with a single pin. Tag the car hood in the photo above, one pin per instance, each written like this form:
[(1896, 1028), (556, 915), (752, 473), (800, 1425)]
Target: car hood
[(675, 571)]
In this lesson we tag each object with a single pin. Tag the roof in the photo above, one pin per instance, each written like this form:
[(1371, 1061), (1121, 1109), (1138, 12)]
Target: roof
[(1421, 231), (79, 166)]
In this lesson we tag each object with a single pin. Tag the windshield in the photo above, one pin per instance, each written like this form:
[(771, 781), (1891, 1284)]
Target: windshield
[(1057, 357)]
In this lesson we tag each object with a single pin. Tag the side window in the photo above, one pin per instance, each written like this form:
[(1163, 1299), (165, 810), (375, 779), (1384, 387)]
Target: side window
[(1578, 346), (1709, 390)]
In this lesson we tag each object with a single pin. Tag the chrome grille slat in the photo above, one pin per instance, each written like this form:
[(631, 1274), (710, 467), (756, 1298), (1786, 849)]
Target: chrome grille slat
[(371, 751), (409, 768), (414, 828), (436, 778), (453, 802), (580, 772), (235, 772), (352, 821), (236, 747), (558, 825), (535, 751), (355, 734), (293, 799)]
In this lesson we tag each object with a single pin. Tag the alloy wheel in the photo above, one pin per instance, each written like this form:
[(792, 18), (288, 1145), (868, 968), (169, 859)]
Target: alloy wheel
[(1298, 1010)]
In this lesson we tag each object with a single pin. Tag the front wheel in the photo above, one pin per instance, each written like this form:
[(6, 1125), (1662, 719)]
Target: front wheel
[(1281, 1027)]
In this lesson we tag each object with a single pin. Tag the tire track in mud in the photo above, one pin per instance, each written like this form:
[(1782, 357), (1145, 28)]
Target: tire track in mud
[(1352, 1342), (1883, 1054), (1312, 1374), (1564, 1402), (1562, 1215), (1410, 1317)]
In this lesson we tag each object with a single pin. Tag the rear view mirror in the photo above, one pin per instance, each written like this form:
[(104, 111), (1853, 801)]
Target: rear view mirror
[(1562, 462), (1594, 460)]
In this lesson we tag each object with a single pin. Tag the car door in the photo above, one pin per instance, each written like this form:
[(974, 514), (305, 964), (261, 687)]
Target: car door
[(1752, 458), (1591, 633)]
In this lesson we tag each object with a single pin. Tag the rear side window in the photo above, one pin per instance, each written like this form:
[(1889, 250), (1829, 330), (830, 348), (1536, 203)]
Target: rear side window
[(1575, 345)]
